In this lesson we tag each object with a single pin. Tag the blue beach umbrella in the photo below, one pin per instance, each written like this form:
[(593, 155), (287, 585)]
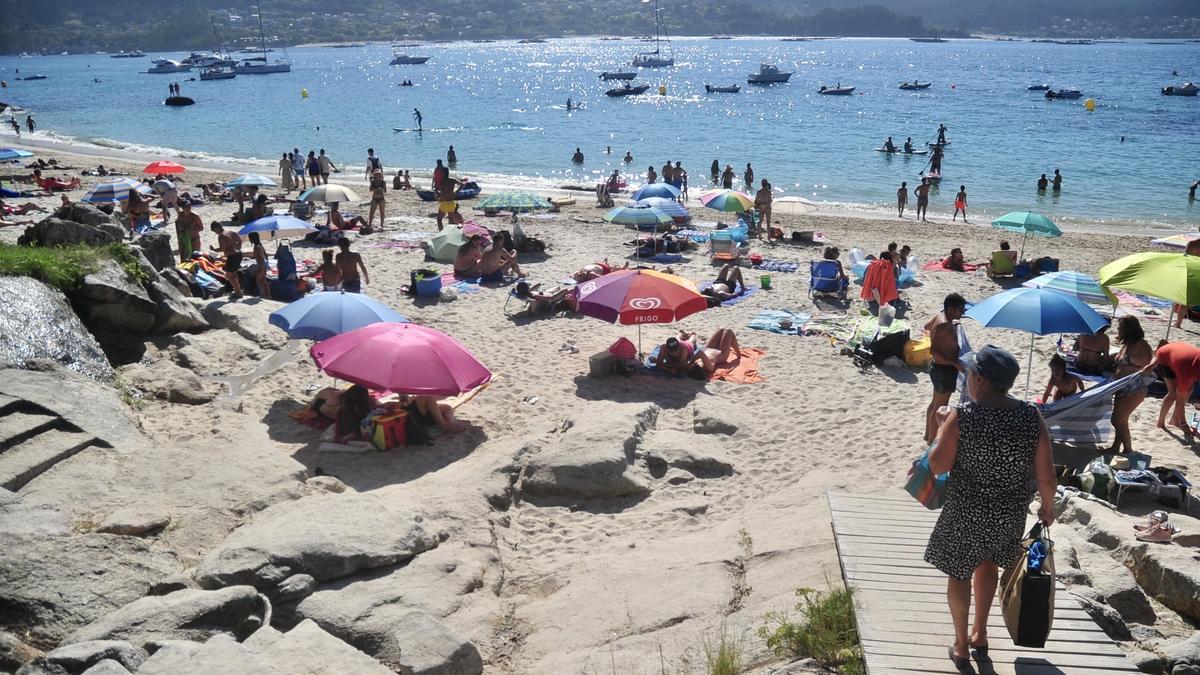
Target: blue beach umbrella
[(319, 316), (668, 206), (664, 190), (1075, 284), (639, 217), (278, 227), (250, 179), (115, 191), (13, 153), (1037, 311)]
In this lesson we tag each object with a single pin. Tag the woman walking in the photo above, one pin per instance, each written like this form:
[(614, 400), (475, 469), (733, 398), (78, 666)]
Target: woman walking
[(992, 447)]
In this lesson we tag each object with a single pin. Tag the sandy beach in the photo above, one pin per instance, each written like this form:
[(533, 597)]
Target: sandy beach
[(631, 584)]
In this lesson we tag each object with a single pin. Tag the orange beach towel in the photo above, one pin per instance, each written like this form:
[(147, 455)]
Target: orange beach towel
[(742, 371)]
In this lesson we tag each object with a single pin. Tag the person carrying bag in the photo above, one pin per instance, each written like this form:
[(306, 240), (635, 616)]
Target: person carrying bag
[(1027, 591)]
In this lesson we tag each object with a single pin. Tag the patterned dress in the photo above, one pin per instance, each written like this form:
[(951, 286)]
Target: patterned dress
[(988, 492)]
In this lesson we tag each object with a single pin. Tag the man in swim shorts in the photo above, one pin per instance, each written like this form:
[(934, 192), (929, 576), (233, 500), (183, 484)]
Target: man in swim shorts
[(350, 264), (922, 193), (445, 196), (230, 243), (943, 336)]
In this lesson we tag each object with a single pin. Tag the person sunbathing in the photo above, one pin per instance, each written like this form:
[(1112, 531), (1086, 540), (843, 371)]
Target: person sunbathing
[(328, 403), (546, 302), (721, 349), (729, 284), (356, 403), (955, 261), (216, 192), (21, 210), (1003, 261), (335, 220), (467, 261), (1091, 352), (595, 271), (428, 412), (675, 355), (22, 194), (53, 184)]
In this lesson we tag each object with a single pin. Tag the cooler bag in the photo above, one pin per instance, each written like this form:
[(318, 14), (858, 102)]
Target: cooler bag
[(1027, 591)]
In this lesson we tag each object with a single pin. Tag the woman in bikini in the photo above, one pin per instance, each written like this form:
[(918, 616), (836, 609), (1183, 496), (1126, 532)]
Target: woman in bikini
[(729, 284), (429, 413), (378, 188), (467, 262), (1091, 352), (721, 349), (330, 273), (1135, 354)]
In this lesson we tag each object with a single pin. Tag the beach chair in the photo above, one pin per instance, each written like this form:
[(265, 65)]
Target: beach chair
[(1001, 265), (603, 198), (519, 304), (723, 248), (824, 280)]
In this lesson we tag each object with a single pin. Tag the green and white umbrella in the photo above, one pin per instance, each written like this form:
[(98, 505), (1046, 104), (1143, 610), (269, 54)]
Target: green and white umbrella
[(1027, 223), (513, 201)]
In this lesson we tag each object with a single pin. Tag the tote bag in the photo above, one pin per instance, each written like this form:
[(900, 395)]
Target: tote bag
[(1027, 591), (924, 486)]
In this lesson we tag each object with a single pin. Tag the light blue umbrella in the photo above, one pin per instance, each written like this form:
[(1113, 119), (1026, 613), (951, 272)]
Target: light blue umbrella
[(664, 190), (638, 217), (1075, 284), (319, 316), (1037, 311), (668, 206), (13, 153), (116, 190), (1027, 223), (278, 227), (250, 179)]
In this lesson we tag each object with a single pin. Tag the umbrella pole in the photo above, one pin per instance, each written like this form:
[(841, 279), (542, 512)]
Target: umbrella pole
[(1170, 320), (639, 341), (1029, 366), (1024, 235)]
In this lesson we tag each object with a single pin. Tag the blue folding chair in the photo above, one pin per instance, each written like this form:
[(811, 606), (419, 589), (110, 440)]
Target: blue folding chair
[(825, 280)]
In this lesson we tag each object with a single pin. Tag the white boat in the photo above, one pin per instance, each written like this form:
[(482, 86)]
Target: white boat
[(406, 60), (768, 74), (136, 54), (617, 75), (167, 66), (217, 73), (258, 65), (657, 58)]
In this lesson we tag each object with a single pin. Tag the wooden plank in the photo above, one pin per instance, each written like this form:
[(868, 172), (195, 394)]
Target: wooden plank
[(900, 605)]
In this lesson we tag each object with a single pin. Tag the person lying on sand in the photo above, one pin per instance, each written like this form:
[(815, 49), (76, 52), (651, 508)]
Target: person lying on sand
[(675, 354), (53, 184), (721, 349), (428, 412), (21, 210), (546, 302), (595, 271), (729, 284), (955, 260), (216, 192)]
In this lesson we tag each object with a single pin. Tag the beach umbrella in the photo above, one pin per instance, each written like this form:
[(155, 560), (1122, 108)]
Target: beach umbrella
[(796, 206), (1075, 284), (116, 190), (319, 316), (668, 206), (164, 166), (513, 201), (443, 246), (329, 193), (639, 296), (1170, 276), (1173, 241), (1037, 311), (250, 180), (401, 357), (729, 201), (639, 217), (13, 153), (663, 190), (278, 227), (1027, 223)]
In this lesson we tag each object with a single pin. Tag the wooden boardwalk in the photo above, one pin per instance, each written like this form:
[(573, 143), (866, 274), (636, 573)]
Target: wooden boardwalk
[(901, 611)]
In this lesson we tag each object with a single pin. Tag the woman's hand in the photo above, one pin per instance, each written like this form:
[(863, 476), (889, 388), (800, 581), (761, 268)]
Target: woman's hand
[(1046, 513)]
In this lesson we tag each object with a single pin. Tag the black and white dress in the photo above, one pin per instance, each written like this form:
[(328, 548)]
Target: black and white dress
[(989, 490)]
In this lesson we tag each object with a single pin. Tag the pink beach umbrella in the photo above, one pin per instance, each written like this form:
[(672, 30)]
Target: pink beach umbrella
[(404, 358)]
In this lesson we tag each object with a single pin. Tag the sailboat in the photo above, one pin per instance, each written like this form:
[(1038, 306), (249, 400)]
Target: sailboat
[(258, 65), (656, 58), (221, 67)]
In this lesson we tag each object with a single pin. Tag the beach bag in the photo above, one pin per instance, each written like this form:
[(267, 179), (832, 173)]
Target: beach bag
[(425, 283), (389, 431), (1027, 591), (1098, 479), (923, 485), (917, 353)]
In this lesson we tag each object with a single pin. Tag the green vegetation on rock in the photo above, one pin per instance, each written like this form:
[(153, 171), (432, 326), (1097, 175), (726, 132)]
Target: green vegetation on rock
[(64, 268)]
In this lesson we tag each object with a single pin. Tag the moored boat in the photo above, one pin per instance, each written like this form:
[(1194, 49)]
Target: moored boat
[(628, 90), (136, 54), (1039, 87), (912, 86), (836, 91), (162, 66), (730, 89), (406, 60), (1063, 93), (617, 75), (217, 73), (768, 74), (1188, 89)]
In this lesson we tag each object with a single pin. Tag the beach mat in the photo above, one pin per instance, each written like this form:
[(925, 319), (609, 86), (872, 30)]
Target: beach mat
[(744, 370), (936, 266), (771, 319), (777, 266)]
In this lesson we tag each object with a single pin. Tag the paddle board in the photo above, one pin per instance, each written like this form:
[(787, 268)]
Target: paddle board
[(936, 144), (901, 152), (407, 131), (563, 107)]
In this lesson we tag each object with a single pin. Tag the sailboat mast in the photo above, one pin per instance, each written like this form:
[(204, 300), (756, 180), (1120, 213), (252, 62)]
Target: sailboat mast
[(262, 37)]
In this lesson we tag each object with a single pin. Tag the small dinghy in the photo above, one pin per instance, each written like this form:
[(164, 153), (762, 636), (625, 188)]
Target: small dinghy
[(731, 89)]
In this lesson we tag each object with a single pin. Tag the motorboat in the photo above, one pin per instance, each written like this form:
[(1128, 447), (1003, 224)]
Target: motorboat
[(618, 75), (201, 60), (217, 73), (406, 60), (136, 54), (628, 90), (836, 91), (1188, 89), (34, 77), (660, 57), (1039, 87), (928, 39), (913, 86), (731, 89), (721, 37), (1063, 93), (531, 41), (768, 74), (162, 66)]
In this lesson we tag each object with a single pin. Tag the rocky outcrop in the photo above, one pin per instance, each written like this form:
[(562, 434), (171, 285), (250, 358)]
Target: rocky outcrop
[(107, 667), (204, 353), (134, 521), (173, 313), (14, 653), (110, 297), (248, 319), (182, 615), (590, 458), (156, 246), (80, 656), (62, 231), (169, 382), (37, 324), (326, 536)]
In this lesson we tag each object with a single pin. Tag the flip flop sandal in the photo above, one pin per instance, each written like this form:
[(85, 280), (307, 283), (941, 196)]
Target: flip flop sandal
[(961, 664), (1161, 533), (1151, 520)]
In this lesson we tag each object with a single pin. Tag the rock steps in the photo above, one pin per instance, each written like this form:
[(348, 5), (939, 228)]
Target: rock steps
[(32, 440)]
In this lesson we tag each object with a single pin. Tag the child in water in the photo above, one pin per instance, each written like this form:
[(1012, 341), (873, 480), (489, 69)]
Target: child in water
[(1062, 384)]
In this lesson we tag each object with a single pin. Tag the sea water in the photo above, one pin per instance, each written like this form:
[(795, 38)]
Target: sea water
[(502, 106)]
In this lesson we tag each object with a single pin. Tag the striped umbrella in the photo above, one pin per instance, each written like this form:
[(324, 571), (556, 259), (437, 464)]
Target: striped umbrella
[(115, 191), (664, 190), (513, 201), (668, 206), (250, 179), (729, 201), (13, 153), (638, 297), (1075, 284), (639, 217), (329, 193), (1173, 241)]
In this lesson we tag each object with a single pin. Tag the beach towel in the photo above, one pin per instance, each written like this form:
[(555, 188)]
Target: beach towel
[(1142, 306), (695, 235), (938, 266), (405, 245), (771, 319), (746, 293), (310, 418), (742, 371), (777, 266), (880, 277), (1084, 418), (908, 276), (660, 258)]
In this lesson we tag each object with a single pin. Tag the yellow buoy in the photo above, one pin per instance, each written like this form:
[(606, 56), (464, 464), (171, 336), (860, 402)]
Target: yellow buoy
[(662, 90), (303, 93), (1090, 104)]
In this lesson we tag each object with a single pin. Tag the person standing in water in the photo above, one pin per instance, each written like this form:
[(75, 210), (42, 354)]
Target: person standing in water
[(577, 158), (451, 157), (748, 176), (1056, 184), (960, 203), (715, 169), (1042, 183)]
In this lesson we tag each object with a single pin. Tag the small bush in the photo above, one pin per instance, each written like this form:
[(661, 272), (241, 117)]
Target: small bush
[(825, 632), (64, 268), (724, 655)]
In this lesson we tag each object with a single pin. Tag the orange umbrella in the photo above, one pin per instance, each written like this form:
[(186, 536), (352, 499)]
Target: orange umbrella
[(163, 166)]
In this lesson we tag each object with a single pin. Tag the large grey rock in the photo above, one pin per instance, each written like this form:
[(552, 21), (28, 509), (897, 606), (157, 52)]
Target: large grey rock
[(308, 650), (80, 656), (156, 245), (172, 312), (591, 458), (134, 521), (170, 657), (58, 232), (409, 641), (37, 323), (326, 536), (247, 318), (182, 615), (89, 215), (91, 406), (1185, 652), (14, 653), (208, 353), (167, 381), (220, 654), (110, 297), (107, 667)]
